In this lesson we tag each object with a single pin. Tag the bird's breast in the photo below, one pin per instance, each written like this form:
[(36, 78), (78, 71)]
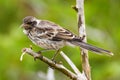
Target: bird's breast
[(25, 31), (45, 42)]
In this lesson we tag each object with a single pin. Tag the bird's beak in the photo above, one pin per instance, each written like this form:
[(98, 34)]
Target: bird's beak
[(23, 25)]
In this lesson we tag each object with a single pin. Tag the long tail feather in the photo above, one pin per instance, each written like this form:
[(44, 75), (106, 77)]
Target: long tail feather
[(91, 47)]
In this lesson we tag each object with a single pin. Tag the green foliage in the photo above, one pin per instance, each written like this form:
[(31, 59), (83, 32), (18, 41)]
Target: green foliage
[(102, 21)]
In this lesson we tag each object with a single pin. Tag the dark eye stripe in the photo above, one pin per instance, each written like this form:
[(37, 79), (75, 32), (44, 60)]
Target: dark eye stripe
[(32, 23), (29, 22)]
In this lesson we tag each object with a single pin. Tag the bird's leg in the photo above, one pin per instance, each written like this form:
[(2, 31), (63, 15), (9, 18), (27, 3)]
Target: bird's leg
[(44, 50), (56, 53)]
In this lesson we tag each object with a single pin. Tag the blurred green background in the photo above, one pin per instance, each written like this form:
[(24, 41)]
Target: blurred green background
[(103, 30)]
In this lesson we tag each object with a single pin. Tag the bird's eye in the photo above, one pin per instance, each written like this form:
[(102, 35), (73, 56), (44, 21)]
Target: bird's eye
[(29, 22), (33, 23)]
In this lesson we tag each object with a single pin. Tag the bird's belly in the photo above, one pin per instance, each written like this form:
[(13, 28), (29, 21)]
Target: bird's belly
[(48, 44)]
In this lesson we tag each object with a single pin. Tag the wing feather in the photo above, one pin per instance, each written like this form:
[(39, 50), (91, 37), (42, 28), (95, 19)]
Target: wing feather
[(65, 34), (54, 32)]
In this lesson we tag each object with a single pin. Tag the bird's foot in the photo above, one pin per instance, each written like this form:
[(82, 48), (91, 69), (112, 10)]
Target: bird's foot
[(37, 55), (56, 62), (53, 60)]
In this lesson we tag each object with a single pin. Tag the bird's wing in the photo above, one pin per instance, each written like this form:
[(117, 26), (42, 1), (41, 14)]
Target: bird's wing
[(53, 31), (44, 33), (64, 34)]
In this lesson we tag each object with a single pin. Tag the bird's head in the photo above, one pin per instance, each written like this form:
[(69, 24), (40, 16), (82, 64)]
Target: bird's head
[(29, 22)]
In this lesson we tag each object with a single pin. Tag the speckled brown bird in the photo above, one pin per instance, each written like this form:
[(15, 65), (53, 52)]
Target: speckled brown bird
[(51, 36)]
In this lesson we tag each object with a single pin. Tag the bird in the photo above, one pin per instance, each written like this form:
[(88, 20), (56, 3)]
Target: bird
[(51, 36)]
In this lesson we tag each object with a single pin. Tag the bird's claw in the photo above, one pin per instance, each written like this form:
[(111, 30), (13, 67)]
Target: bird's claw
[(82, 38), (36, 56), (53, 60), (56, 62)]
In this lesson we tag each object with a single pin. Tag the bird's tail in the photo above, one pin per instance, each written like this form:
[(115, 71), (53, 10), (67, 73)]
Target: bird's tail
[(90, 47)]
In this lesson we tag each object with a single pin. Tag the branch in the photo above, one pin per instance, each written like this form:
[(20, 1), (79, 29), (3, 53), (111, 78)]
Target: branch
[(75, 69), (52, 64), (80, 76), (82, 34)]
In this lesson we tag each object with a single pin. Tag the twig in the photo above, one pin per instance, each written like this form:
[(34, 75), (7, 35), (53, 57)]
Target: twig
[(52, 64), (75, 69), (82, 34), (80, 76)]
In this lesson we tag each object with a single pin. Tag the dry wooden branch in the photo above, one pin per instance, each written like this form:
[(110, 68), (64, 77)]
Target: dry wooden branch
[(82, 34), (75, 69), (74, 76), (80, 76), (52, 64)]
